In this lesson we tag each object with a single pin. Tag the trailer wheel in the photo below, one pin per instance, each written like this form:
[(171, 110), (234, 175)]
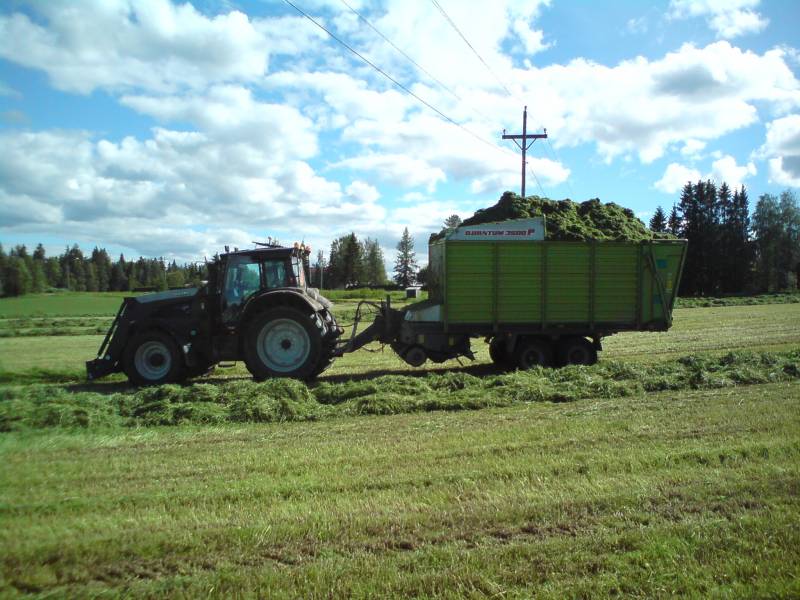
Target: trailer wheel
[(576, 351), (498, 352), (282, 342), (533, 353), (152, 358)]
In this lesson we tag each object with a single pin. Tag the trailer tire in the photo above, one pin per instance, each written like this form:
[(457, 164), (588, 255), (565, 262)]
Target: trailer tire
[(283, 342), (533, 353), (153, 358), (498, 352), (576, 351)]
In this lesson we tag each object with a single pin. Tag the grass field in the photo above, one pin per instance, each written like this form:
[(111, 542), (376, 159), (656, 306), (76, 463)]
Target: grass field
[(662, 494), (571, 483)]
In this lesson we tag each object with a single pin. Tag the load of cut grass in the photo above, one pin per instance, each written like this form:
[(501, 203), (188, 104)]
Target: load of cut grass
[(567, 220)]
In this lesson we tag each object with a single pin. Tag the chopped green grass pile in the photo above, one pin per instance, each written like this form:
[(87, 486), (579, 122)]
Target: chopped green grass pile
[(279, 400), (567, 220)]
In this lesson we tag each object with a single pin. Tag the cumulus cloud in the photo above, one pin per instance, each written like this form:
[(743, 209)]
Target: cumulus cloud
[(728, 18), (153, 44), (675, 177), (175, 181), (644, 107), (724, 169), (782, 150)]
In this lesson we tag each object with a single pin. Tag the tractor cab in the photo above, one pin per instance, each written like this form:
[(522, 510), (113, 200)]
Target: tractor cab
[(243, 275)]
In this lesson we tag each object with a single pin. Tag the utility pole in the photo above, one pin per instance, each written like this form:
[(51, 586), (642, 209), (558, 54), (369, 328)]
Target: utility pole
[(524, 145)]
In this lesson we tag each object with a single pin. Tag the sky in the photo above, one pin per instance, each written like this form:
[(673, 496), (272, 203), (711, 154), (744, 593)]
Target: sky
[(161, 128)]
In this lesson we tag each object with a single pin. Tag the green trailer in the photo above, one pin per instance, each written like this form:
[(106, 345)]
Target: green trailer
[(535, 301)]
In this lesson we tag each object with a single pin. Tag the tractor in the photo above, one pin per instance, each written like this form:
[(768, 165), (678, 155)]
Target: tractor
[(255, 307)]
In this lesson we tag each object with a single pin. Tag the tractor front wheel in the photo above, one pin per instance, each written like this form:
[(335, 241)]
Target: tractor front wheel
[(152, 358), (283, 342)]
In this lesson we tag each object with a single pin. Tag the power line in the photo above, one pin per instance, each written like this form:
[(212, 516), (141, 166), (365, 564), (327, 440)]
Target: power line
[(471, 47), (541, 189), (393, 80), (558, 160), (412, 61), (485, 64)]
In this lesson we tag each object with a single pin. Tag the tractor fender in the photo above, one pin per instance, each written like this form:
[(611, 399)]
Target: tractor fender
[(280, 297)]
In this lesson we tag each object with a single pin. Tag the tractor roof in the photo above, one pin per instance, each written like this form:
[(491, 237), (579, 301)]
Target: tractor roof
[(276, 251)]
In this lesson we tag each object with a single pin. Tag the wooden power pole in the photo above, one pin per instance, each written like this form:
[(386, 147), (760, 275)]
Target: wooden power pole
[(525, 136)]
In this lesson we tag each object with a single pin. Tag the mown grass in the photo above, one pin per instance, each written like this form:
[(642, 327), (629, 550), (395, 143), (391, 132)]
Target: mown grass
[(246, 401), (664, 494)]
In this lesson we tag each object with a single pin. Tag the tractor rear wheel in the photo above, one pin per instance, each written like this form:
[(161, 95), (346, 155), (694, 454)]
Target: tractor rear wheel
[(152, 358), (533, 353), (283, 342), (576, 351)]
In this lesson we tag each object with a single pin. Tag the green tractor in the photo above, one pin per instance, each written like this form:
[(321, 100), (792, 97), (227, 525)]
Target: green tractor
[(255, 307)]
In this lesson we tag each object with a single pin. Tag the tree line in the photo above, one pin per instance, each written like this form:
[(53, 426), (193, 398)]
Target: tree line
[(351, 263), (354, 263), (22, 272), (731, 250)]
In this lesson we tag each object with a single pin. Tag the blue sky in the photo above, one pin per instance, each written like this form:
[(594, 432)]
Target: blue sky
[(169, 129)]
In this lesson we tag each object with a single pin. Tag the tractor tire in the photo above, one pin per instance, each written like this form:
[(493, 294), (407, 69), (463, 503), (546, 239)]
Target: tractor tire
[(576, 351), (498, 352), (533, 353), (283, 342), (329, 332), (153, 358)]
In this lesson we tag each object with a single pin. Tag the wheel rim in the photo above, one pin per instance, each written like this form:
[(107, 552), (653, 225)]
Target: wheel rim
[(577, 355), (532, 357), (153, 360), (283, 345)]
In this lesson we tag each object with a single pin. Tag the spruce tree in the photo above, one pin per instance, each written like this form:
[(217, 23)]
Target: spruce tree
[(674, 223), (659, 221), (405, 266)]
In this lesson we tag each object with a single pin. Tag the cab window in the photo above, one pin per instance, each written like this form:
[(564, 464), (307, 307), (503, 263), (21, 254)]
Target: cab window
[(275, 273), (242, 280)]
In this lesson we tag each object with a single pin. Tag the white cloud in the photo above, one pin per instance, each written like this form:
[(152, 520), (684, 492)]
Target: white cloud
[(692, 148), (532, 39), (725, 169), (151, 44), (644, 107), (782, 150), (230, 113), (398, 169), (675, 177), (363, 192), (186, 183), (728, 18)]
